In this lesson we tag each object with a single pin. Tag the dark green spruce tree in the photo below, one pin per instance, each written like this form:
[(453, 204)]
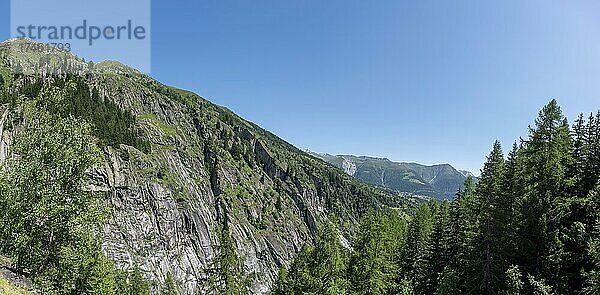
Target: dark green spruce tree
[(494, 219), (547, 155)]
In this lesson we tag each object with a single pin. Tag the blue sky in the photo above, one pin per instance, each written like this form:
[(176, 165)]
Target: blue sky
[(425, 81)]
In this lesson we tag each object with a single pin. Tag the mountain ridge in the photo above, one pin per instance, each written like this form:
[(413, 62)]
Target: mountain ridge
[(406, 177)]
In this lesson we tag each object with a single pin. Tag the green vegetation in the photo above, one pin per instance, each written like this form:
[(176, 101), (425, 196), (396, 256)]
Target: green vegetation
[(50, 225), (166, 129), (6, 288), (530, 226), (227, 275), (271, 178), (71, 95), (317, 270), (169, 287), (51, 222), (112, 124), (131, 283)]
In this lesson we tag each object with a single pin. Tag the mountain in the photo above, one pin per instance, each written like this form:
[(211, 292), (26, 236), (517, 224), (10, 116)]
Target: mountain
[(443, 177), (178, 173), (467, 173), (437, 181)]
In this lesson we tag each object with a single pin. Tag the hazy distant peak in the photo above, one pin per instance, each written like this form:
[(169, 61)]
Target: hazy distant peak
[(438, 181)]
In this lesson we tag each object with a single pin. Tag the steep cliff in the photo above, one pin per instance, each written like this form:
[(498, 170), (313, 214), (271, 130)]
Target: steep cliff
[(186, 170)]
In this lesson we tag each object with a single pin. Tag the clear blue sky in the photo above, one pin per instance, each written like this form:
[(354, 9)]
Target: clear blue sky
[(425, 81)]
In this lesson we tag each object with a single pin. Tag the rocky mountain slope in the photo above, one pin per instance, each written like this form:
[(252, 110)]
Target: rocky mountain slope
[(184, 170), (443, 177), (437, 181)]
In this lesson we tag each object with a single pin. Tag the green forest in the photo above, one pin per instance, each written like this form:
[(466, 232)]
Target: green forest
[(529, 226)]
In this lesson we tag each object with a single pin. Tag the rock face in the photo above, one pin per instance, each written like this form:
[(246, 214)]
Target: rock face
[(206, 167), (349, 167)]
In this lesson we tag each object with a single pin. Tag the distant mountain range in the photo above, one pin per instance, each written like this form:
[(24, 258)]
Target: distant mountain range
[(437, 181)]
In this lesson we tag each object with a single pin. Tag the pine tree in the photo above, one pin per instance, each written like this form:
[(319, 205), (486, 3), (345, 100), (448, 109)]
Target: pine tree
[(514, 282), (592, 274), (318, 269), (494, 218), (580, 155), (591, 154), (547, 156), (466, 223), (417, 264), (512, 194), (439, 254), (137, 284), (169, 287), (229, 276)]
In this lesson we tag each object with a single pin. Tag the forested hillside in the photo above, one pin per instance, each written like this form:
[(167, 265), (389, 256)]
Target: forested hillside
[(113, 183), (529, 226)]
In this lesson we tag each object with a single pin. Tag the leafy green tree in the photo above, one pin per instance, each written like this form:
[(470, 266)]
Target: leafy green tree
[(299, 279), (131, 282), (51, 223), (284, 284), (137, 284)]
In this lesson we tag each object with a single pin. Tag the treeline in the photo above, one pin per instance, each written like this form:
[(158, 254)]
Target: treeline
[(529, 226)]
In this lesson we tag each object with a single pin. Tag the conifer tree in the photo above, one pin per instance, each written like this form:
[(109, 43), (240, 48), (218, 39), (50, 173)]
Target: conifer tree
[(372, 268), (514, 283), (417, 265), (439, 254), (467, 258), (494, 218), (547, 155), (318, 269), (229, 276), (169, 287)]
